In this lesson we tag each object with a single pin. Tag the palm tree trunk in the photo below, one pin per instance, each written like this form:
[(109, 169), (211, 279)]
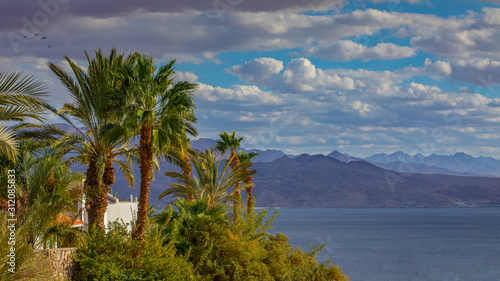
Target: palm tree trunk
[(249, 190), (188, 173), (101, 205), (237, 202), (146, 155), (235, 162), (108, 180), (97, 202), (91, 193)]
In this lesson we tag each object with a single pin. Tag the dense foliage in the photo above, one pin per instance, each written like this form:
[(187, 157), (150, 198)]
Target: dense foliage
[(190, 241), (116, 256)]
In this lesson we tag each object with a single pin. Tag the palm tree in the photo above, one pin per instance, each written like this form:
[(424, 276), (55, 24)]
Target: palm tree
[(28, 259), (48, 187), (232, 143), (21, 96), (212, 181), (187, 170), (246, 158), (182, 226), (161, 114), (98, 104), (179, 156)]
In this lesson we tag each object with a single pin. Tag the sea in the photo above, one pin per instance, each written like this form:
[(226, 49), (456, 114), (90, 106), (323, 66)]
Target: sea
[(434, 244)]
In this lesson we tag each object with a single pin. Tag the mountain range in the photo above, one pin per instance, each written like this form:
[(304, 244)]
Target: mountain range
[(267, 155), (340, 180), (457, 164), (320, 181)]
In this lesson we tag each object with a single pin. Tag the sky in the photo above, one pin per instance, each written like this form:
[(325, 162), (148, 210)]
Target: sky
[(360, 77)]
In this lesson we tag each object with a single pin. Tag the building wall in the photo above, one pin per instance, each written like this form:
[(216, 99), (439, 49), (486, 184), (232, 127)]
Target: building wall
[(126, 211)]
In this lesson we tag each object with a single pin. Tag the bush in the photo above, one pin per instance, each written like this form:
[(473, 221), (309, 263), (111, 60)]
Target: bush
[(116, 256), (195, 242), (223, 251), (286, 263)]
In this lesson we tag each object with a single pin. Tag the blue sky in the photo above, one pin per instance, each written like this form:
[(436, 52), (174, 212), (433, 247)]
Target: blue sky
[(361, 77)]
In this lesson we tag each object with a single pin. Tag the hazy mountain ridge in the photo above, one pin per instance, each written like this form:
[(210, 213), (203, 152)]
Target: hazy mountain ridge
[(320, 181), (343, 157), (406, 167), (459, 163), (267, 155), (323, 181)]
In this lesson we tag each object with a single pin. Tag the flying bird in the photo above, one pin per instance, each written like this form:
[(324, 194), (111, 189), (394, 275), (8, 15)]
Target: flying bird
[(36, 34), (48, 46), (44, 37)]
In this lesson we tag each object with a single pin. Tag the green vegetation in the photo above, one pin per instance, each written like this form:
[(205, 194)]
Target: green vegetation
[(213, 181), (131, 112), (221, 250), (116, 256)]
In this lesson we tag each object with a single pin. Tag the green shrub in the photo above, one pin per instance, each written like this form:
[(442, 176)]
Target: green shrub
[(196, 242), (286, 263), (223, 251), (115, 256)]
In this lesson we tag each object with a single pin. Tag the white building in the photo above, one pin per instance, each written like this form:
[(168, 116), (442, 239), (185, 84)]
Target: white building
[(117, 210), (121, 210)]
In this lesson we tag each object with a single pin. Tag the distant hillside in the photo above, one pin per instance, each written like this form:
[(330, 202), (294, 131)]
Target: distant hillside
[(203, 143), (323, 181), (343, 157), (320, 181), (459, 162), (398, 156), (267, 155), (405, 167)]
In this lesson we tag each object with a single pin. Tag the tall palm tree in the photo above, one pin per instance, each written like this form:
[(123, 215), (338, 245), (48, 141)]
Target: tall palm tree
[(246, 159), (212, 181), (232, 143), (187, 170), (162, 115), (21, 96), (98, 104), (179, 156)]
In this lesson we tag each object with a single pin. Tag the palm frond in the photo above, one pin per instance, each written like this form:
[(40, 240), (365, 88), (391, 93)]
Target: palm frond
[(8, 144), (126, 169), (38, 132)]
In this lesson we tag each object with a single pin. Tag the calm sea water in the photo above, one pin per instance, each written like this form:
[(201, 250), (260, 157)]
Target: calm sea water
[(401, 244)]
